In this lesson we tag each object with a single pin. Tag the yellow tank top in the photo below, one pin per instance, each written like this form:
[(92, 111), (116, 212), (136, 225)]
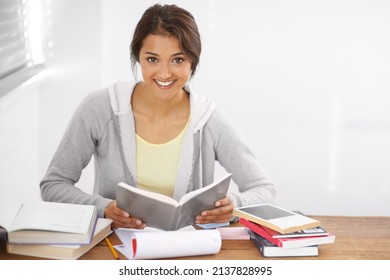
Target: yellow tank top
[(157, 164)]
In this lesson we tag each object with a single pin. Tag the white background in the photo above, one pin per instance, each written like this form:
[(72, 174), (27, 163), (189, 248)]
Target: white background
[(302, 269), (306, 83)]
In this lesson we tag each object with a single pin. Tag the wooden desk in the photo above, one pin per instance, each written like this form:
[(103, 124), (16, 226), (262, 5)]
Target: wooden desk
[(357, 238)]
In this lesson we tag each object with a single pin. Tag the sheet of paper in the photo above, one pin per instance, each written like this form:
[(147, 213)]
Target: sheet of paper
[(234, 233)]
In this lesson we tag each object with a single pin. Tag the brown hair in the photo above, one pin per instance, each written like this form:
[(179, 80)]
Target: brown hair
[(168, 20)]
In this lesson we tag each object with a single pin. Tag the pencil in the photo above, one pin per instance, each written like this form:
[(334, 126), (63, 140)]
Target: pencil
[(114, 253)]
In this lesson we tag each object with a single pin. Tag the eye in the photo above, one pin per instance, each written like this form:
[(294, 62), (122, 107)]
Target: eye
[(178, 60), (152, 59)]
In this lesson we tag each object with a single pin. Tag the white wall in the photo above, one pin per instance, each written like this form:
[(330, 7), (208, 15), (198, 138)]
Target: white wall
[(73, 70), (34, 116), (19, 144), (306, 82)]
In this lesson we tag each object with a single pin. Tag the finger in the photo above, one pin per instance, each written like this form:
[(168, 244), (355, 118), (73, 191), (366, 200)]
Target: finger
[(117, 224), (112, 211), (218, 211), (213, 216), (216, 215), (129, 223), (213, 219), (121, 218), (225, 201), (118, 211)]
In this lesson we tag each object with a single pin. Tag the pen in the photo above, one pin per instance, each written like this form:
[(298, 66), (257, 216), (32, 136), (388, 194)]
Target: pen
[(114, 253)]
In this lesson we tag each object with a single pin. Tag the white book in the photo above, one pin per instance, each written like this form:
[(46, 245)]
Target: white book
[(163, 212), (42, 222), (62, 252)]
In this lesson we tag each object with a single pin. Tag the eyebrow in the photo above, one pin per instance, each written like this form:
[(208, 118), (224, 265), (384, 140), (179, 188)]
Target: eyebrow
[(155, 54)]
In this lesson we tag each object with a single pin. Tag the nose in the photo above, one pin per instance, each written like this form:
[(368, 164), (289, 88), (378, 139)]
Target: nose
[(165, 71)]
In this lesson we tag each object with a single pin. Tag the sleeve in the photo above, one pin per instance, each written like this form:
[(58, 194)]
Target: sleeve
[(75, 150), (235, 156)]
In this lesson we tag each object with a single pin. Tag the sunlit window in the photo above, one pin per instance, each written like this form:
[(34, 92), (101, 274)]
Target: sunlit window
[(21, 42)]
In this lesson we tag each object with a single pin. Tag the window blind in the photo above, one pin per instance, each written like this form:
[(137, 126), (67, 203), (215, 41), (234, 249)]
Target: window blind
[(15, 57)]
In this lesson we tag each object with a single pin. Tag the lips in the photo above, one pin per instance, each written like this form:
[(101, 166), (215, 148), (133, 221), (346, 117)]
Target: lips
[(164, 84)]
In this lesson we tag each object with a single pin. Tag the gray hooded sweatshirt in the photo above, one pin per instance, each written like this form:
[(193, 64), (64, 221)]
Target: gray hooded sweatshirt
[(103, 126)]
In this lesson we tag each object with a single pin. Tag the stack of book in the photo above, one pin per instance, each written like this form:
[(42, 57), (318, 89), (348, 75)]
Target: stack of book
[(51, 230), (277, 232)]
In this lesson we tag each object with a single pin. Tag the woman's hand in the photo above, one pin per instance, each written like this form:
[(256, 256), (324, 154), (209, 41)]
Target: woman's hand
[(222, 213), (121, 218)]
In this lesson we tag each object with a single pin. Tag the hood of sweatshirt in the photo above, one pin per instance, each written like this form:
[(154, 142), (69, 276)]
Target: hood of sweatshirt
[(201, 109)]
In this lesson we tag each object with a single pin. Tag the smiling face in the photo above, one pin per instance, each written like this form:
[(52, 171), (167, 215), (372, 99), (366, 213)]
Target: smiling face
[(165, 68)]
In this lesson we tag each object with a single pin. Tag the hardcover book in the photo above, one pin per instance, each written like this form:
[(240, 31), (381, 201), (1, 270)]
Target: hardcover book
[(163, 212), (267, 249), (42, 222), (293, 242), (310, 232), (276, 218)]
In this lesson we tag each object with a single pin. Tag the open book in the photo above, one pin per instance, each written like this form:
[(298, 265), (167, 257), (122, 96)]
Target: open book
[(62, 252), (163, 212), (42, 222)]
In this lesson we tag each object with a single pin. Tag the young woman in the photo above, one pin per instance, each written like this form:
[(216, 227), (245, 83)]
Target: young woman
[(156, 134)]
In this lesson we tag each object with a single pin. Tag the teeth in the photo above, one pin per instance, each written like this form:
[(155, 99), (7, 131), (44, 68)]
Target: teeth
[(164, 84)]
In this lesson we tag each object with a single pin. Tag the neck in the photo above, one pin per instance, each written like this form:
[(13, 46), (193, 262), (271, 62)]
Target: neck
[(153, 107)]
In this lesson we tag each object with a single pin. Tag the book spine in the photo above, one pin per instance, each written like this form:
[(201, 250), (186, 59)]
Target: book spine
[(3, 234), (259, 245), (260, 231), (176, 222)]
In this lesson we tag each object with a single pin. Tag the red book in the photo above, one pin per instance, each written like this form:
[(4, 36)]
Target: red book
[(293, 242)]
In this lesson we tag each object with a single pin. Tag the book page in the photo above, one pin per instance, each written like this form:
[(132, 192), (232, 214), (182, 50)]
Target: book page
[(154, 213), (156, 196), (220, 184), (53, 216), (8, 210), (203, 199), (101, 224)]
